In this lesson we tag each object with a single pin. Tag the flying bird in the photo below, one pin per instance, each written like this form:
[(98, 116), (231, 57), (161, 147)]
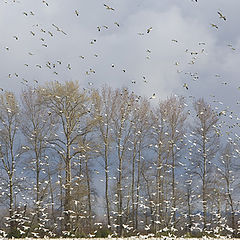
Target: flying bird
[(108, 8), (76, 12), (117, 24), (214, 25), (153, 96), (149, 30), (222, 16), (185, 85), (45, 2)]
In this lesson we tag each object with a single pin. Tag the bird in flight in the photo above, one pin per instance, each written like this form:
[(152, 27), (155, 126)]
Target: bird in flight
[(149, 30), (45, 2), (108, 8), (76, 12), (153, 96), (222, 16), (214, 25), (185, 85), (117, 24)]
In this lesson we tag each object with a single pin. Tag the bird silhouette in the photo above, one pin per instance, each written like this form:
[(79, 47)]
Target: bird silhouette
[(108, 7), (214, 25), (222, 16)]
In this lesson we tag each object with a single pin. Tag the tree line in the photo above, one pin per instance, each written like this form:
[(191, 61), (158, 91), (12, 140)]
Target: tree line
[(98, 162)]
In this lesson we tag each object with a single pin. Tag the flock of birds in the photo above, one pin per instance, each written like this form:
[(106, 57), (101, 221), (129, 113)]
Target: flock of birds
[(44, 36)]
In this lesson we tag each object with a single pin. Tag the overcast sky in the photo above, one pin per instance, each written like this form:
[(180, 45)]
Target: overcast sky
[(203, 58)]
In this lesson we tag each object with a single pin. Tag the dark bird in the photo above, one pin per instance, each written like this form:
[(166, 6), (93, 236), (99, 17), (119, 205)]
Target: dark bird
[(108, 8), (45, 2), (50, 33), (117, 24), (221, 16), (76, 12), (214, 25), (149, 30), (185, 85)]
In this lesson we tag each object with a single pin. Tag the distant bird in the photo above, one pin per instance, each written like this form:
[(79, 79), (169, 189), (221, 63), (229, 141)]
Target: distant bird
[(45, 2), (214, 25), (16, 37), (230, 45), (185, 85), (50, 33), (141, 34), (93, 41), (117, 24), (221, 16), (108, 8), (76, 12), (149, 30), (174, 40), (153, 96), (25, 13)]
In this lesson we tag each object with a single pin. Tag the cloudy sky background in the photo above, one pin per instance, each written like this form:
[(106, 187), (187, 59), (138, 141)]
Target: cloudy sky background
[(166, 68)]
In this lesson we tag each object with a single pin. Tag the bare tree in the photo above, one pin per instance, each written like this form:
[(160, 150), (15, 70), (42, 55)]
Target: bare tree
[(9, 148), (226, 169), (174, 116), (104, 105), (37, 126), (71, 107), (140, 133), (122, 127), (206, 140)]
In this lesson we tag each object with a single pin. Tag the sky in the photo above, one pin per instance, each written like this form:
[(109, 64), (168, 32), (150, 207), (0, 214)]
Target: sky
[(152, 47)]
